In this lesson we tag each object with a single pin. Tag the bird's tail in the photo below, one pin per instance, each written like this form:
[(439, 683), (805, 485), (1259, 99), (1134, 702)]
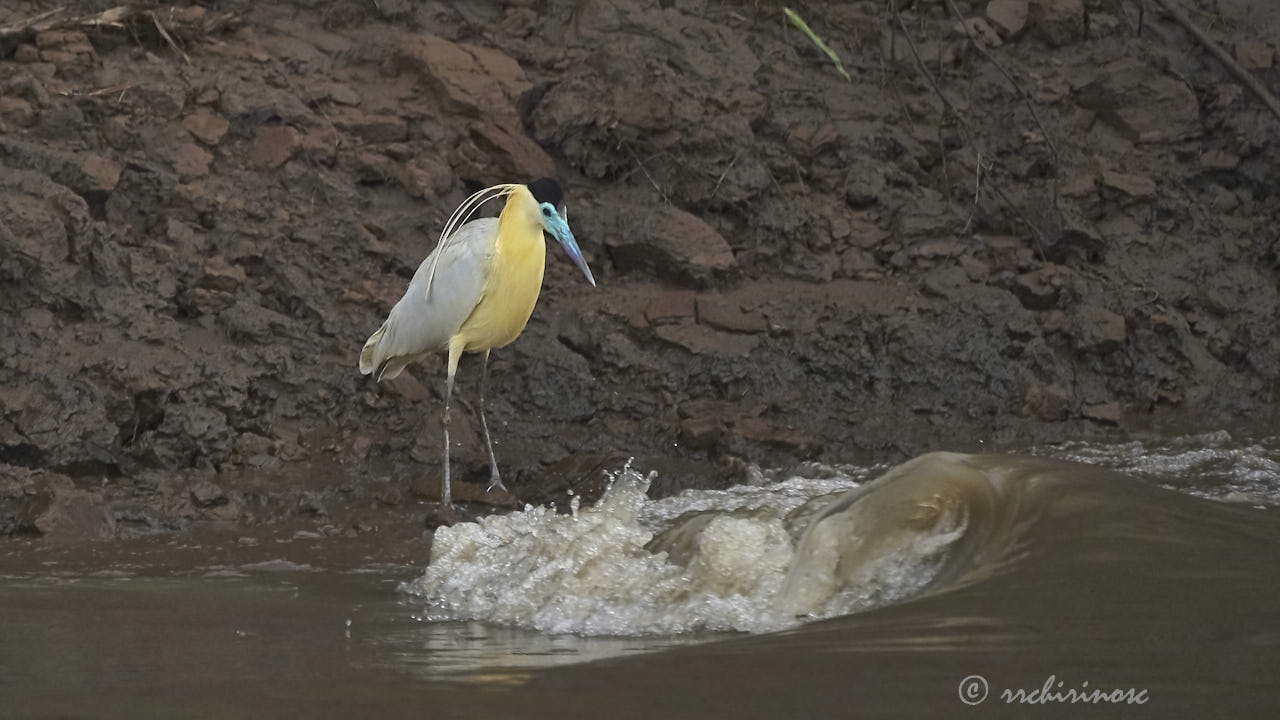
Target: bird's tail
[(370, 358)]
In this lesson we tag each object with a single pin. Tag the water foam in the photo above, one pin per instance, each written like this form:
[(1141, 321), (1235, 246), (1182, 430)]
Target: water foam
[(1213, 465), (705, 561)]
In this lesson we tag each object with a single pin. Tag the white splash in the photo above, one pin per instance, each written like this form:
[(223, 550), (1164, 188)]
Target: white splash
[(594, 572), (1213, 465)]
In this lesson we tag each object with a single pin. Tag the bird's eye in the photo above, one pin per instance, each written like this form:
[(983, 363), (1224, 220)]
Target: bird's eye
[(546, 212)]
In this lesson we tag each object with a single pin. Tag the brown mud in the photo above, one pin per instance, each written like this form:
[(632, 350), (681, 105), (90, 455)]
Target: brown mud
[(205, 211)]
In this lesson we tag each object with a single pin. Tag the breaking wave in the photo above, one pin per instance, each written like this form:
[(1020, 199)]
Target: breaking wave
[(753, 559)]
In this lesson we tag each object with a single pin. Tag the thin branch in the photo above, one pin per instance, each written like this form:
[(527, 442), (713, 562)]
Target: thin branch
[(645, 170), (967, 136), (1026, 98), (924, 70), (121, 17), (724, 174), (1233, 67), (167, 37)]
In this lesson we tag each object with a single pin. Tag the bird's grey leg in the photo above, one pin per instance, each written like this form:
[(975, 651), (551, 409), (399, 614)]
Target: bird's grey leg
[(495, 479), (455, 353), (446, 496)]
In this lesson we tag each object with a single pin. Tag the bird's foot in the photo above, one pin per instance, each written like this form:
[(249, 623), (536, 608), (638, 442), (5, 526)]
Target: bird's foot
[(495, 483)]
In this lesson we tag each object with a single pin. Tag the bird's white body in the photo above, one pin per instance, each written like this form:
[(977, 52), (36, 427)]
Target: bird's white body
[(419, 325), (487, 281)]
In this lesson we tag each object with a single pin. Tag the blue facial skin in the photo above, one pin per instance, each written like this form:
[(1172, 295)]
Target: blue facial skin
[(554, 222)]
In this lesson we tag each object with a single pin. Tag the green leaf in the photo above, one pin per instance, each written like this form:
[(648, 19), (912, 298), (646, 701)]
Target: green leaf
[(803, 27)]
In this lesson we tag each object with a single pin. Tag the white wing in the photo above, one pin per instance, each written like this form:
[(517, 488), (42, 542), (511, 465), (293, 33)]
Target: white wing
[(421, 324)]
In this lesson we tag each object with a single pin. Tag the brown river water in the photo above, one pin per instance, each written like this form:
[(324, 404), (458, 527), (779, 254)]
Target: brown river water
[(1135, 580)]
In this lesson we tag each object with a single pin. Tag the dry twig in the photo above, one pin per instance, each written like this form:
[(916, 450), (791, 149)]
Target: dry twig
[(732, 162), (1026, 97), (1233, 67), (968, 138), (184, 25), (168, 38)]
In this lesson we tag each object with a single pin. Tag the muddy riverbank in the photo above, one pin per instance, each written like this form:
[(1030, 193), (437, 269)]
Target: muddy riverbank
[(204, 213)]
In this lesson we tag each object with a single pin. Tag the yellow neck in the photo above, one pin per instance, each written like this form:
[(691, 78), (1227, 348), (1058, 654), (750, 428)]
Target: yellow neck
[(515, 278), (519, 218), (520, 243)]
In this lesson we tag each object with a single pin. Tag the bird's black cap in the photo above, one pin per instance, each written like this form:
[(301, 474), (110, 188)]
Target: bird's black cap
[(547, 190)]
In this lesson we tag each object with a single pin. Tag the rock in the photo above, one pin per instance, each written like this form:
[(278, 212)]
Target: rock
[(936, 249), (335, 92), (761, 432), (191, 161), (480, 81), (866, 235), (160, 98), (645, 108), (100, 173), (321, 145), (928, 217), (1219, 160), (1254, 55), (669, 305), (1142, 104), (1107, 413), (1082, 185), (59, 59), (1075, 235), (674, 245), (1008, 16), (16, 112), (1098, 330), (118, 133), (40, 224), (863, 192), (705, 341), (371, 128), (1059, 22), (1222, 199), (28, 87), (724, 314), (1046, 402), (807, 141), (701, 433), (980, 30), (275, 145), (423, 178), (515, 153), (1040, 289), (858, 263), (206, 126), (61, 123), (486, 85), (312, 504), (205, 493), (947, 281), (374, 168), (27, 54), (71, 41), (251, 448), (1135, 186), (250, 104), (64, 513), (220, 276)]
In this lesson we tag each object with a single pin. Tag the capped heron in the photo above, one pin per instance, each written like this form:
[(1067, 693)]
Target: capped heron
[(475, 292)]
